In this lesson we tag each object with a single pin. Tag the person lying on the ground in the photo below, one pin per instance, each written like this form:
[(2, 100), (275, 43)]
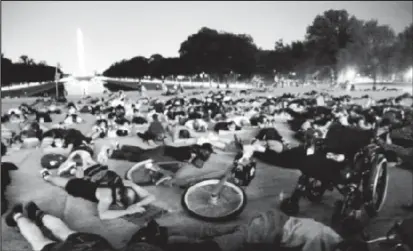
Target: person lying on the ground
[(176, 159), (119, 129), (138, 118), (7, 135), (264, 231), (226, 126), (31, 222), (128, 197), (197, 125), (100, 129), (73, 140), (30, 136), (72, 118), (157, 171), (6, 168), (15, 115), (182, 134)]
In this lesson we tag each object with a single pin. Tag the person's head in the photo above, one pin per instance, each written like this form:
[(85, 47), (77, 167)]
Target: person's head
[(196, 125), (155, 117), (119, 111), (232, 126), (205, 151), (125, 196)]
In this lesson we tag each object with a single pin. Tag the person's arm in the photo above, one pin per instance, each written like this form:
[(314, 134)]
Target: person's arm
[(106, 214), (147, 198)]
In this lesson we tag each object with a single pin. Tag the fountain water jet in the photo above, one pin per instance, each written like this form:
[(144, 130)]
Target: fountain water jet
[(80, 84), (81, 52)]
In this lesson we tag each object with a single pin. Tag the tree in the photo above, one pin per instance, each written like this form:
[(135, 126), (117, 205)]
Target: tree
[(6, 68), (219, 53), (155, 65), (403, 49), (138, 67), (328, 34), (372, 49), (24, 59), (42, 62)]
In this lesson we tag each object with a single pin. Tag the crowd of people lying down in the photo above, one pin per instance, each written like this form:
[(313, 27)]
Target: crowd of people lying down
[(189, 130)]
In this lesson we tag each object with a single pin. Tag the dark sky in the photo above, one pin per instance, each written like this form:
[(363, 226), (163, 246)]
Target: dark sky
[(116, 30)]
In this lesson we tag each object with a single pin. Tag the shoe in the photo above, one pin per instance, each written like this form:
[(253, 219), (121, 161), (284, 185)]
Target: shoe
[(18, 208), (32, 210), (44, 172)]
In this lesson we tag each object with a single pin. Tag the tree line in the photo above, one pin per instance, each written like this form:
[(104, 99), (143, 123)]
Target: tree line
[(26, 70), (333, 41)]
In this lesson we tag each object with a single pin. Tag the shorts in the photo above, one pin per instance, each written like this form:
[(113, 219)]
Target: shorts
[(81, 242)]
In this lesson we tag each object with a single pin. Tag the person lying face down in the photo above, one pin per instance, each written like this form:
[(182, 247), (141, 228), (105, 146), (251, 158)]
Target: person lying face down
[(268, 230), (30, 220)]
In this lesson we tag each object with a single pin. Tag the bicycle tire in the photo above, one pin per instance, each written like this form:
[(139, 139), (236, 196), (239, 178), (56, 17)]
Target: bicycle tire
[(227, 217)]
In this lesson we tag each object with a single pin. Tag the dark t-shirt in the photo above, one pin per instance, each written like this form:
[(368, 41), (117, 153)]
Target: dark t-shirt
[(82, 188), (347, 140), (156, 128)]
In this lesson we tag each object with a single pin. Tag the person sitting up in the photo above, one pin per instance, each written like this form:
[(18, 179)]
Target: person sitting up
[(156, 131), (30, 225)]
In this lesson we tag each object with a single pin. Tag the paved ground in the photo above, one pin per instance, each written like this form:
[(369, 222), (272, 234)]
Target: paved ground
[(262, 193)]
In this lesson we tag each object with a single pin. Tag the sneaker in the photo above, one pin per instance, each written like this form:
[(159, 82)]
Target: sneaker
[(10, 216), (44, 172)]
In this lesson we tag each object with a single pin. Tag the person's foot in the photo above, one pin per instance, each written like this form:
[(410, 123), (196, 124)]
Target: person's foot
[(34, 213), (11, 216), (408, 207)]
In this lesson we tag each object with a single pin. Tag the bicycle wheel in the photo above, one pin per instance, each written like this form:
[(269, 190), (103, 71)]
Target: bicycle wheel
[(196, 200)]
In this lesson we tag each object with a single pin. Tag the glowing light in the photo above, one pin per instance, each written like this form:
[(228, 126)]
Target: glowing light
[(347, 75), (350, 74), (409, 74)]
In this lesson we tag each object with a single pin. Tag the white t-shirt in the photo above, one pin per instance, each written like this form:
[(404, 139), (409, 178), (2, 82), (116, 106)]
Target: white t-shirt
[(15, 110)]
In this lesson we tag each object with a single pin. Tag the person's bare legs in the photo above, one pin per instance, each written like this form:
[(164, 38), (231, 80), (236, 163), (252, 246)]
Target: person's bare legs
[(30, 231), (54, 224), (55, 180)]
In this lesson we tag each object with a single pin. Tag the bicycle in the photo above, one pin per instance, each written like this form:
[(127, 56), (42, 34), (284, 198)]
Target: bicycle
[(221, 199)]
